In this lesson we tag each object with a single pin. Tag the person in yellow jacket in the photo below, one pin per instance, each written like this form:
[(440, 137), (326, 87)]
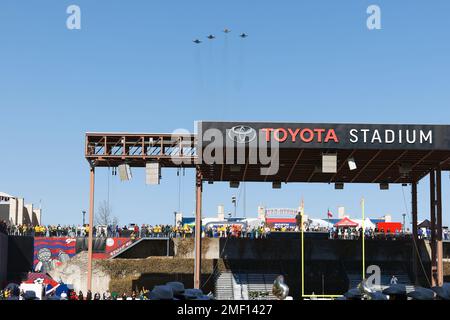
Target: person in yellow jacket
[(223, 231)]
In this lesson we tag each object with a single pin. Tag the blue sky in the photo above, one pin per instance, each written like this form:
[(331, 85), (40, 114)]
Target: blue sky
[(133, 67)]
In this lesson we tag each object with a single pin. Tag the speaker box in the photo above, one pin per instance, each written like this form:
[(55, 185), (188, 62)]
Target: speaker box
[(152, 173)]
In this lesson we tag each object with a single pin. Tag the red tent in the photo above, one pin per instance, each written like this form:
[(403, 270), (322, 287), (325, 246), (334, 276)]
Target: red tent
[(346, 222)]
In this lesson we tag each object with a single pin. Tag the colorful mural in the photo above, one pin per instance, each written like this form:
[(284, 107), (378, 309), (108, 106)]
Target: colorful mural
[(50, 252), (113, 246)]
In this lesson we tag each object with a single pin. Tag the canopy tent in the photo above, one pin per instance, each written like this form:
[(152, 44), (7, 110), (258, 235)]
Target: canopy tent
[(346, 222), (321, 223), (368, 224), (424, 224)]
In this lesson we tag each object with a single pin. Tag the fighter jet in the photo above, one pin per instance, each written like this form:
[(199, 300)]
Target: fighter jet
[(226, 30), (211, 36), (243, 35), (196, 41)]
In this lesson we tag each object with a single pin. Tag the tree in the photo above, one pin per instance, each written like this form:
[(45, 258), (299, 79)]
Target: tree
[(104, 215)]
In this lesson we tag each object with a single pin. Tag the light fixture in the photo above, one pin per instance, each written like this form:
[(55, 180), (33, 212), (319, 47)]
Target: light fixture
[(339, 185), (404, 169), (234, 184), (329, 163), (152, 173), (235, 168), (351, 164), (276, 185), (124, 172), (384, 186)]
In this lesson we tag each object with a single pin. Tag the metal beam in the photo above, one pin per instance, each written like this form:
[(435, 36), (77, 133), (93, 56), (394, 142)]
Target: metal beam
[(342, 166), (245, 169), (433, 227), (133, 148), (366, 165), (91, 227), (389, 166), (198, 228), (294, 165), (414, 230), (275, 154), (439, 248), (417, 163), (311, 175)]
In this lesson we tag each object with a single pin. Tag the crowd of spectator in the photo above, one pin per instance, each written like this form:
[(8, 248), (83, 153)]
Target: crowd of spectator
[(134, 231), (369, 233), (170, 291), (7, 294), (236, 231)]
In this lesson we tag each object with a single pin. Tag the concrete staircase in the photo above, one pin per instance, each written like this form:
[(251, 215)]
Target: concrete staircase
[(224, 286), (237, 286)]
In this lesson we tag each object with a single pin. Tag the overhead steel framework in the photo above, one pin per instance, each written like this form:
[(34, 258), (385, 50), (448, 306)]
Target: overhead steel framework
[(298, 162), (113, 149)]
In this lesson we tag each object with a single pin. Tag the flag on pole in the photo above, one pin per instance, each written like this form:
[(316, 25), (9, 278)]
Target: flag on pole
[(329, 214)]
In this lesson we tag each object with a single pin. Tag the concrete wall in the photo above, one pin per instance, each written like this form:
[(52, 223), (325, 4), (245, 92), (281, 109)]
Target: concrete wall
[(315, 249), (148, 248), (4, 212), (20, 210), (36, 217), (20, 256), (28, 214), (16, 212), (13, 205), (3, 258), (184, 248), (323, 258), (74, 272)]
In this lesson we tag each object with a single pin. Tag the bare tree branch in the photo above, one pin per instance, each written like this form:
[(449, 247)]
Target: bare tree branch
[(104, 215)]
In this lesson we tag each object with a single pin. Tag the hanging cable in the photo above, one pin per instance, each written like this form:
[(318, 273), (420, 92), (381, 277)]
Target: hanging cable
[(414, 241), (109, 173), (216, 266), (239, 195), (245, 199), (179, 189)]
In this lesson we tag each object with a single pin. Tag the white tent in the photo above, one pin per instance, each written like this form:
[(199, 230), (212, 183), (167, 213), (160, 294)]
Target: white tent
[(253, 222), (368, 224), (321, 223)]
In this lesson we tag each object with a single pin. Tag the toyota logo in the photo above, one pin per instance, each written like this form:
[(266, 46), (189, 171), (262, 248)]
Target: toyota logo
[(242, 134)]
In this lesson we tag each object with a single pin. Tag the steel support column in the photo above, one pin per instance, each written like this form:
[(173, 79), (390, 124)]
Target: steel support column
[(198, 228), (439, 248), (433, 227), (414, 230), (91, 227)]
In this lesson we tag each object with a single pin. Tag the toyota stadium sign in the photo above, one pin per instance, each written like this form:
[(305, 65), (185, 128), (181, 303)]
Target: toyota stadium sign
[(336, 136)]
